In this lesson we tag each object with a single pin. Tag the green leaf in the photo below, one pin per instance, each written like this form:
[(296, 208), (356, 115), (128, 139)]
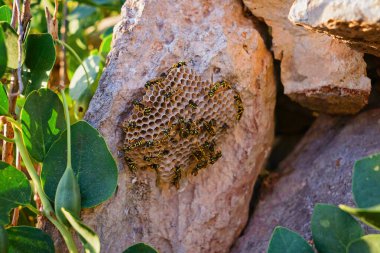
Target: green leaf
[(284, 240), (370, 216), (365, 244), (5, 14), (79, 83), (3, 53), (366, 181), (333, 229), (4, 102), (14, 190), (92, 163), (11, 44), (89, 238), (105, 47), (42, 120), (40, 59), (25, 239), (4, 244), (140, 248)]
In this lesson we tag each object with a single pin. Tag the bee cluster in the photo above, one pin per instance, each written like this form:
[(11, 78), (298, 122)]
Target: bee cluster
[(174, 128)]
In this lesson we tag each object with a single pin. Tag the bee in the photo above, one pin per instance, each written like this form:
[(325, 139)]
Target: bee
[(177, 176), (153, 82), (215, 157), (192, 104), (168, 95), (131, 164)]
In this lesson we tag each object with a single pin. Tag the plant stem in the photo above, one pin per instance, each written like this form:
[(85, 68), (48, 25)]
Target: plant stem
[(6, 139), (47, 208), (68, 128), (76, 56)]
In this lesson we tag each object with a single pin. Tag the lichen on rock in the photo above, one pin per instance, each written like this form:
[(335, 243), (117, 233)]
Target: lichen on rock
[(176, 125)]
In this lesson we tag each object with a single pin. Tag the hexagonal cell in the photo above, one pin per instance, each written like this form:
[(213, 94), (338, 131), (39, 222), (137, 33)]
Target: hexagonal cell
[(182, 120)]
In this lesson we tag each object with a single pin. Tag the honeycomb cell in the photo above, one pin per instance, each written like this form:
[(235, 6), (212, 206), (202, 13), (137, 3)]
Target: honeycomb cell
[(179, 136)]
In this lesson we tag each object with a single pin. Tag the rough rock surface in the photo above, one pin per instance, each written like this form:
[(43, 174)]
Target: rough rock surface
[(317, 171), (210, 210), (355, 22), (317, 71)]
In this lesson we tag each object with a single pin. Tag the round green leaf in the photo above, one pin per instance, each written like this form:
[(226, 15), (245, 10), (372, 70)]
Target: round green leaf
[(366, 181), (24, 239), (284, 240), (366, 244), (92, 163), (333, 229), (370, 216), (11, 44), (105, 47), (5, 14), (3, 53), (42, 120), (4, 102), (79, 83), (140, 248), (39, 60), (14, 191)]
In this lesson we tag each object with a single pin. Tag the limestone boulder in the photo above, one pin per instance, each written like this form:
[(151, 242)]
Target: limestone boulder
[(356, 22), (317, 71), (317, 171), (208, 212)]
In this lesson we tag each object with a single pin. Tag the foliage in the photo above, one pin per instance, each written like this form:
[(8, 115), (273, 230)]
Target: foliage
[(78, 170), (335, 229)]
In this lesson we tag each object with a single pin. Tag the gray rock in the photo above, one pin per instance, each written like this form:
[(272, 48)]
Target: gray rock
[(317, 71), (354, 22), (209, 211), (318, 171)]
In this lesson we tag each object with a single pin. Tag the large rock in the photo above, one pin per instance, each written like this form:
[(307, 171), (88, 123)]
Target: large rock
[(317, 171), (355, 22), (316, 71), (209, 210)]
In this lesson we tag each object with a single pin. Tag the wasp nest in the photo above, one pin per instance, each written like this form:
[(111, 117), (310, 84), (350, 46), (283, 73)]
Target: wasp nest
[(174, 128)]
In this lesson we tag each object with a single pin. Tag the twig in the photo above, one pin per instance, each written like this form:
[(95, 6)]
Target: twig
[(62, 63), (16, 211), (14, 15), (20, 31)]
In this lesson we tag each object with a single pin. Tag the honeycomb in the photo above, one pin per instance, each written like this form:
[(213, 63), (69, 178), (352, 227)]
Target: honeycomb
[(176, 125)]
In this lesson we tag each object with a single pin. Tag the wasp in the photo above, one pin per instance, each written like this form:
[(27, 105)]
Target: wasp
[(215, 157), (210, 146), (225, 126), (177, 176), (192, 104), (208, 126), (131, 125), (135, 144), (149, 143), (202, 164), (179, 64), (147, 110), (155, 81), (239, 106), (131, 164)]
